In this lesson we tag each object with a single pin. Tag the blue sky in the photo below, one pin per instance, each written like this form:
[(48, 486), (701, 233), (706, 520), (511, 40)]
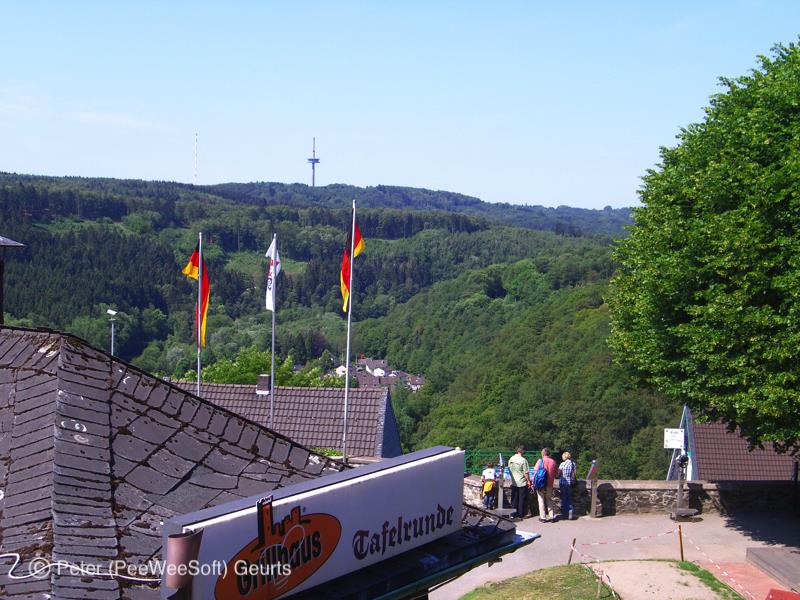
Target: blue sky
[(521, 102)]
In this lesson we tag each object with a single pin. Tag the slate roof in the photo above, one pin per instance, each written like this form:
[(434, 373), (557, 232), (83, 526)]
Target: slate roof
[(720, 455), (314, 416), (373, 363), (95, 454)]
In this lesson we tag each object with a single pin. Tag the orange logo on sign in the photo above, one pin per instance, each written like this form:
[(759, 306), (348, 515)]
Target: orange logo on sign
[(283, 556)]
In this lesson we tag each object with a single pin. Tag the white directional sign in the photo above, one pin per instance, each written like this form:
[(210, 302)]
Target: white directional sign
[(275, 548), (673, 439)]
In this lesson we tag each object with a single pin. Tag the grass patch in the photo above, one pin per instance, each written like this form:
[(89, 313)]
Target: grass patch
[(568, 582), (61, 226), (333, 452), (723, 591), (253, 263)]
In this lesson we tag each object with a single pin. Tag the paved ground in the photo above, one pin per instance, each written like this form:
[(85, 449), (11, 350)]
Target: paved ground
[(711, 539)]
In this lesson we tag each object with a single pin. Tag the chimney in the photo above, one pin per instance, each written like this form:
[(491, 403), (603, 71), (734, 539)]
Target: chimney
[(262, 387)]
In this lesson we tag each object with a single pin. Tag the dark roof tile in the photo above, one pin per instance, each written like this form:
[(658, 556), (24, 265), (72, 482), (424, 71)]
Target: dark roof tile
[(170, 464), (188, 409), (722, 455), (100, 406), (19, 475), (148, 429), (35, 447), (233, 430), (311, 416), (82, 415), (121, 417), (218, 423), (225, 462), (132, 448), (125, 495), (127, 384), (188, 447), (157, 395), (202, 416), (280, 451), (84, 450), (84, 464), (82, 476), (150, 480), (172, 405), (187, 498), (102, 449), (211, 479)]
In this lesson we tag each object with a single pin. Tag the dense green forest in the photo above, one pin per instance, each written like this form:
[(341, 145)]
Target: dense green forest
[(501, 307), (562, 220)]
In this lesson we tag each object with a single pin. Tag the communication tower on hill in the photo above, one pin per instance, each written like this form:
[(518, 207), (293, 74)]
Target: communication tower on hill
[(313, 160)]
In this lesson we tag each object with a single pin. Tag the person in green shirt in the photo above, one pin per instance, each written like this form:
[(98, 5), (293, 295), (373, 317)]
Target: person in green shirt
[(520, 482)]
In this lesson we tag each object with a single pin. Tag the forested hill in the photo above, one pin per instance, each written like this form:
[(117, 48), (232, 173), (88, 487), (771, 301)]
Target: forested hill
[(510, 356), (564, 219), (507, 323), (561, 220)]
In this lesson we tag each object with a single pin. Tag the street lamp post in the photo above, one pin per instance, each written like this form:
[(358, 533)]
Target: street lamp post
[(5, 243), (111, 315)]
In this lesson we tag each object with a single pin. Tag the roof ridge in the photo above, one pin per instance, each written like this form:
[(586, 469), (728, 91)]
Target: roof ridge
[(157, 378), (100, 452)]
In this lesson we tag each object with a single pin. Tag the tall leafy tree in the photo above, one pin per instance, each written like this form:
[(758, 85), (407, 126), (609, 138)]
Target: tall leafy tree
[(706, 304)]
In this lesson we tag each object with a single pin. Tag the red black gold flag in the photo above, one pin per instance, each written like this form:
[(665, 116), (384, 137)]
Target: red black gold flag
[(191, 270), (344, 275)]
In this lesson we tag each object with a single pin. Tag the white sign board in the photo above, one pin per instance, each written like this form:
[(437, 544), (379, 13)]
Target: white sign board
[(673, 439), (328, 532)]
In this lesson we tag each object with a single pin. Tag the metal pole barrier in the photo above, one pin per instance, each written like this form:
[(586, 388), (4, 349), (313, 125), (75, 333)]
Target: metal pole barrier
[(591, 484), (498, 497), (680, 539)]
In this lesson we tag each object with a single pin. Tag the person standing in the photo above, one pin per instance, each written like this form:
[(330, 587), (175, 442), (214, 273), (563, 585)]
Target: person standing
[(566, 473), (545, 495), (520, 482), (489, 485)]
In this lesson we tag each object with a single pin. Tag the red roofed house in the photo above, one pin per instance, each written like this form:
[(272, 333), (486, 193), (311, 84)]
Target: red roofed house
[(716, 454), (314, 416)]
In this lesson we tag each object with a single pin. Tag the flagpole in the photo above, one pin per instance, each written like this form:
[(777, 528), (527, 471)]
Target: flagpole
[(349, 318), (199, 316), (272, 368)]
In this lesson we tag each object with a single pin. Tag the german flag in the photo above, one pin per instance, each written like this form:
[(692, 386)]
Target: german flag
[(344, 275), (191, 270)]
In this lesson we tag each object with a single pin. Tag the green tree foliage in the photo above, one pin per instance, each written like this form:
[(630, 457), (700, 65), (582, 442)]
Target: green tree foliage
[(505, 322), (529, 366), (250, 363), (706, 305)]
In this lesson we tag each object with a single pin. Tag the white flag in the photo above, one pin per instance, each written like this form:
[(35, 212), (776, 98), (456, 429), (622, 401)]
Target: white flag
[(272, 273)]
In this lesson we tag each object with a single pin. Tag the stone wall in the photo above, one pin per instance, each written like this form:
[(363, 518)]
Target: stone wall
[(626, 497)]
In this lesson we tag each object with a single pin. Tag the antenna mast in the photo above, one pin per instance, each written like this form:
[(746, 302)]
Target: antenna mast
[(313, 160)]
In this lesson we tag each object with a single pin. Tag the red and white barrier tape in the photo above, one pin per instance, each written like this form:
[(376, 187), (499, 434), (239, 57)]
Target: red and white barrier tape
[(722, 571), (602, 572), (727, 575), (635, 539)]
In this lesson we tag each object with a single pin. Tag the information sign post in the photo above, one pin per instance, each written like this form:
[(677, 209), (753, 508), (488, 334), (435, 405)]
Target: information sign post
[(674, 439)]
